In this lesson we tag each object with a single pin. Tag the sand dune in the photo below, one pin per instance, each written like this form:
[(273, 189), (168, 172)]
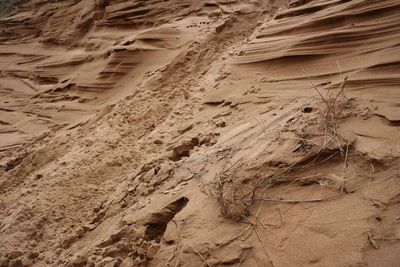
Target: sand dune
[(199, 133)]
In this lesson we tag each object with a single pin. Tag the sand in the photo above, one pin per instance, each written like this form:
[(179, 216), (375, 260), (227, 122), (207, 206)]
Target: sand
[(200, 133)]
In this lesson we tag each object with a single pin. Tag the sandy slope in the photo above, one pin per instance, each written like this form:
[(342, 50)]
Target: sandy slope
[(200, 133)]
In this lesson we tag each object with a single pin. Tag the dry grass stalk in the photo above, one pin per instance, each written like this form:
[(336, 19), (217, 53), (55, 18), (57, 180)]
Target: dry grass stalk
[(313, 85), (261, 223), (242, 259), (333, 108), (372, 170), (332, 112), (230, 240), (386, 239), (179, 259), (372, 241), (300, 200), (265, 250), (201, 256), (258, 220), (177, 247), (342, 188), (281, 216), (264, 129), (248, 226)]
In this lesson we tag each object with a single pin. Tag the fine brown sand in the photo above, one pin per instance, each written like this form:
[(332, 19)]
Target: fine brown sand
[(200, 133)]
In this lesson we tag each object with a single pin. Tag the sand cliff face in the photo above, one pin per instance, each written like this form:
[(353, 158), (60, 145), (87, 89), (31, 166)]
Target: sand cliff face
[(199, 133)]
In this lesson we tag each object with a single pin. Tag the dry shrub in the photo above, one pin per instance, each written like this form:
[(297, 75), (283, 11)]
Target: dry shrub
[(237, 188)]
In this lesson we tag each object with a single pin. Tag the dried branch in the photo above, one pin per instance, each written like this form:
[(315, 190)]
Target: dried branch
[(198, 253), (300, 200)]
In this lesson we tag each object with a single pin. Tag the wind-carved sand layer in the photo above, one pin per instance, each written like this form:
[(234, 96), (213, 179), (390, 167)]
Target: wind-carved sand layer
[(200, 133), (66, 74)]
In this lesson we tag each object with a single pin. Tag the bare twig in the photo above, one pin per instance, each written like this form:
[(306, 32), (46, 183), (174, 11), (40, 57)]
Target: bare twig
[(256, 217), (265, 250), (322, 161), (344, 167), (262, 127), (378, 181), (281, 216), (313, 177), (179, 259), (242, 259), (314, 86), (340, 69), (236, 236), (300, 200), (372, 241), (341, 91), (175, 250), (258, 212), (386, 239), (248, 226), (261, 223), (198, 253), (304, 139), (372, 169)]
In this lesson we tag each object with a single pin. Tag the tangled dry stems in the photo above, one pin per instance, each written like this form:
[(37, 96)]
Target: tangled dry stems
[(333, 104)]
